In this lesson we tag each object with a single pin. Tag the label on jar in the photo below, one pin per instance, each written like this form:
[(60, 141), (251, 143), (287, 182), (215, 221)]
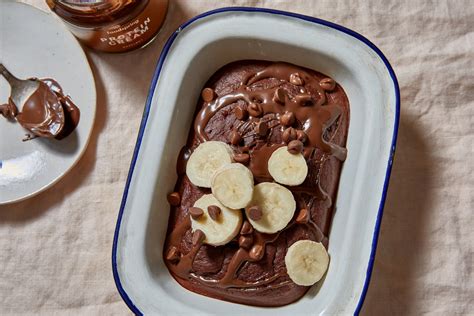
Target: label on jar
[(128, 35)]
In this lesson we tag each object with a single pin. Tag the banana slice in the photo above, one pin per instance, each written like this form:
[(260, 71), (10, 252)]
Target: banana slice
[(306, 262), (232, 185), (286, 168), (221, 230), (206, 159), (277, 205)]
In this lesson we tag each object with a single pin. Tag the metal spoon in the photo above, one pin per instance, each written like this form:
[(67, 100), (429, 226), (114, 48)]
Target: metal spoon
[(21, 90)]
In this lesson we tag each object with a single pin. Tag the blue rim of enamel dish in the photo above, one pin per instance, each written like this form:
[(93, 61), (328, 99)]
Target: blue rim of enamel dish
[(146, 112)]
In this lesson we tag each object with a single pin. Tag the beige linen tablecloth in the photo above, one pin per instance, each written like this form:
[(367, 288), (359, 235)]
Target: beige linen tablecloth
[(55, 249)]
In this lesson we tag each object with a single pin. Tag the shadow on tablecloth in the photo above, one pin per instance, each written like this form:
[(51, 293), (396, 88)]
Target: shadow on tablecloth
[(405, 221)]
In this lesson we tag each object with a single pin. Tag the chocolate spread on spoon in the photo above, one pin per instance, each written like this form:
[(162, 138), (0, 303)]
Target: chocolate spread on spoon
[(46, 113), (258, 107)]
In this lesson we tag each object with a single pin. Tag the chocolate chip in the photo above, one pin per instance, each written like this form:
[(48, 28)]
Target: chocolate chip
[(256, 253), (279, 96), (296, 79), (257, 99), (241, 113), (8, 110), (255, 109), (5, 110), (301, 136), (262, 129), (198, 237), (214, 211), (245, 242), (327, 84), (195, 212), (174, 198), (207, 94), (295, 147), (255, 213), (246, 228), (173, 254), (303, 216), (235, 138), (289, 134), (304, 99), (287, 119), (242, 158)]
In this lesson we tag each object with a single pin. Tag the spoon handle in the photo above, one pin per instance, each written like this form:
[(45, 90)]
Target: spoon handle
[(12, 80)]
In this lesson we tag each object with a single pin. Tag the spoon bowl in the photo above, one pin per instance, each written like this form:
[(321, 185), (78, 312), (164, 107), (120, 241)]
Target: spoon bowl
[(21, 90)]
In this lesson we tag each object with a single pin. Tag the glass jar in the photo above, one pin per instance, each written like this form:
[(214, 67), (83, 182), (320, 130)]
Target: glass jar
[(113, 26)]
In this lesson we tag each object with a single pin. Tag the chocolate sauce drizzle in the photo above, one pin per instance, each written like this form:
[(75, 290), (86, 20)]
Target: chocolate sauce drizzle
[(314, 116), (184, 266)]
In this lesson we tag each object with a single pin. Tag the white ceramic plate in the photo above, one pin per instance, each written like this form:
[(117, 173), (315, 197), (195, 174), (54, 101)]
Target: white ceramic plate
[(36, 44), (193, 53)]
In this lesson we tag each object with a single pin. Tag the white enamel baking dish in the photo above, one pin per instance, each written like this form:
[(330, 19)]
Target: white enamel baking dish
[(191, 55)]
